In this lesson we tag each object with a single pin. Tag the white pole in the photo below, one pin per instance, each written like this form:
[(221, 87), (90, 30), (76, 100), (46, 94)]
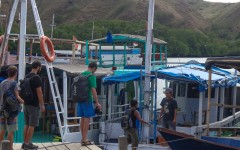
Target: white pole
[(148, 68), (65, 88), (201, 97), (22, 40)]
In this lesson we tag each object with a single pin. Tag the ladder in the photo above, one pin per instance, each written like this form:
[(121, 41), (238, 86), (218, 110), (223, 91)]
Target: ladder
[(49, 67), (51, 76)]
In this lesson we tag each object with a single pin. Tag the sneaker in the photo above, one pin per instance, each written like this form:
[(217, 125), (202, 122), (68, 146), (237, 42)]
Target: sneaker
[(30, 146)]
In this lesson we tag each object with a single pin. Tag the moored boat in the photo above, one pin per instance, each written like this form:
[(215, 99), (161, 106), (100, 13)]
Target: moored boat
[(182, 141)]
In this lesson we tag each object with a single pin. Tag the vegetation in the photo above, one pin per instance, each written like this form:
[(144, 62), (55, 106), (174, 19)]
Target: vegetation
[(181, 42)]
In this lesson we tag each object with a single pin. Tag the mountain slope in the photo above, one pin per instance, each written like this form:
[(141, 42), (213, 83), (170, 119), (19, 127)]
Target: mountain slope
[(196, 14)]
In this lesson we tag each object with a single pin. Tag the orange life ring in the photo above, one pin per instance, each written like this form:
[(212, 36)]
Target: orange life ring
[(49, 56)]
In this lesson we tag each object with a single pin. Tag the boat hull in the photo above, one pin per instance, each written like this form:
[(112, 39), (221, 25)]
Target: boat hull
[(181, 141)]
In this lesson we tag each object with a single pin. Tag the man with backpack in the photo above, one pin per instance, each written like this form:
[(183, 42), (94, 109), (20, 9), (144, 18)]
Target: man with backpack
[(10, 105), (128, 123), (84, 92), (31, 91)]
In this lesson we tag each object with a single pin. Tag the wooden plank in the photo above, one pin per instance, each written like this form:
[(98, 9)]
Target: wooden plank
[(51, 148), (61, 147), (83, 148), (47, 144), (17, 146), (93, 147), (74, 146), (40, 145)]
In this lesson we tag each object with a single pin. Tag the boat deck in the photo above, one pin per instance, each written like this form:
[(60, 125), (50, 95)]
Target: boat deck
[(59, 146)]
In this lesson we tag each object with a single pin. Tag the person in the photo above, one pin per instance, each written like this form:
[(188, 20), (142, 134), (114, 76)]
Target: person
[(33, 106), (9, 123), (169, 110), (132, 133), (85, 109)]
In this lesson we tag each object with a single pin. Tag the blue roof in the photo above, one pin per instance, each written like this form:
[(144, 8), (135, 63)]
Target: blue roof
[(194, 73), (126, 77), (197, 73)]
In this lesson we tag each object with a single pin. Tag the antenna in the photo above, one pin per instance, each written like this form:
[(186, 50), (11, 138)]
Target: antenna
[(52, 25)]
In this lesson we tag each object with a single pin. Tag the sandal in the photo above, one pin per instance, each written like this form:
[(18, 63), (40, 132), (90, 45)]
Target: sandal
[(86, 143)]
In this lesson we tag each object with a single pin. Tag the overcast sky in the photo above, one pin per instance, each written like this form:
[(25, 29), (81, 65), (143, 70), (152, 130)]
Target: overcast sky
[(224, 1)]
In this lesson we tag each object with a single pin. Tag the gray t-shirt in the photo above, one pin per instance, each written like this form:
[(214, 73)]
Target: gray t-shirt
[(4, 86)]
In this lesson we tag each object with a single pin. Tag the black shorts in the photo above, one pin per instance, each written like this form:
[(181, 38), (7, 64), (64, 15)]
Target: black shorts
[(31, 115)]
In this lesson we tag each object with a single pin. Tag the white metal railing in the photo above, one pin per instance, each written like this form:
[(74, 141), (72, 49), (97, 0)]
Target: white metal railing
[(225, 122)]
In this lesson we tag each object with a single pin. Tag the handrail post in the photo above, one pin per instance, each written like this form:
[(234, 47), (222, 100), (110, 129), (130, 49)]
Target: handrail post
[(87, 50)]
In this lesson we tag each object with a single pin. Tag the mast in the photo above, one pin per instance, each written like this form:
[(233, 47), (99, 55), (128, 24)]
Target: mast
[(146, 112)]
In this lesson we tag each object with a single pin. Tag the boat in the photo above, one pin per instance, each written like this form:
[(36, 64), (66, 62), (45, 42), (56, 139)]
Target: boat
[(181, 141)]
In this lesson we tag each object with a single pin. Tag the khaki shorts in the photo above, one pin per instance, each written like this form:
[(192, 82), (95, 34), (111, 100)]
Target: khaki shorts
[(31, 115), (8, 124), (132, 136)]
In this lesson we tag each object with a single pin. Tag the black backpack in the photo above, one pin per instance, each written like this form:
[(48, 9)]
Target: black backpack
[(26, 92), (11, 106), (127, 122), (80, 88)]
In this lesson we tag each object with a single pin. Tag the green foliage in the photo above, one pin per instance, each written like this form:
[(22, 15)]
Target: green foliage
[(181, 42)]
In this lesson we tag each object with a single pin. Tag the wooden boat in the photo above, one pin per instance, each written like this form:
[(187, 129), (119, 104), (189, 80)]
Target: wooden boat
[(182, 141)]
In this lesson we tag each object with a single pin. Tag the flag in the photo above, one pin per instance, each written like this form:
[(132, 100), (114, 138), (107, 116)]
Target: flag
[(109, 37)]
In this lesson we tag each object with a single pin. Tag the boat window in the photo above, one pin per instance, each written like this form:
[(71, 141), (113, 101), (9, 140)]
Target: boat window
[(212, 93), (181, 89), (192, 91)]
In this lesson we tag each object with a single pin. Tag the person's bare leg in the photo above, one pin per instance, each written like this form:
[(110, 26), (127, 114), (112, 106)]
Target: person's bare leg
[(10, 138), (2, 133), (29, 134), (81, 127), (85, 129), (25, 133)]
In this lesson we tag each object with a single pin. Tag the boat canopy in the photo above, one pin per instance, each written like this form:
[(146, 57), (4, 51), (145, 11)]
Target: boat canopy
[(126, 77), (224, 62), (193, 73), (196, 73)]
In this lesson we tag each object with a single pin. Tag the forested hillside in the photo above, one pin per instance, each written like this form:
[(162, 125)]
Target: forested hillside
[(191, 27)]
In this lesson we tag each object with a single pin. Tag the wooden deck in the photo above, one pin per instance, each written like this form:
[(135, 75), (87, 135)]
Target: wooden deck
[(59, 146)]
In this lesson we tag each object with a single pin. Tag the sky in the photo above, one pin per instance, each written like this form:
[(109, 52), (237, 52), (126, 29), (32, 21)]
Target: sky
[(224, 1)]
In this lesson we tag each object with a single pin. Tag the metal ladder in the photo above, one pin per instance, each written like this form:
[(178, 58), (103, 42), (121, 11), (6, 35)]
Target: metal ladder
[(49, 67), (51, 76)]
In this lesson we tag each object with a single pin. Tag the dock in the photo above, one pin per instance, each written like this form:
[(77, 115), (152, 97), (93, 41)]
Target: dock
[(59, 146)]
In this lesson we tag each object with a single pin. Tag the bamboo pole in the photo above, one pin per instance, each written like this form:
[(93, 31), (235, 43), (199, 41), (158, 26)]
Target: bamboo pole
[(209, 98)]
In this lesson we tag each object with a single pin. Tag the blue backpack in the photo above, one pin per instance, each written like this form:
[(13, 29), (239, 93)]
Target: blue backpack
[(11, 106)]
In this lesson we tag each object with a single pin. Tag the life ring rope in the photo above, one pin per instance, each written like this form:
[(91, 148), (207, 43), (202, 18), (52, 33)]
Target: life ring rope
[(47, 49)]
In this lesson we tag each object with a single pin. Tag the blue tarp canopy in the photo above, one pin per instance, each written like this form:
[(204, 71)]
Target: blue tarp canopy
[(196, 73), (121, 78), (126, 77)]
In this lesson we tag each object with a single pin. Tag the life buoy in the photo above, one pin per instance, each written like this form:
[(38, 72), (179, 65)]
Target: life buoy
[(49, 54)]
